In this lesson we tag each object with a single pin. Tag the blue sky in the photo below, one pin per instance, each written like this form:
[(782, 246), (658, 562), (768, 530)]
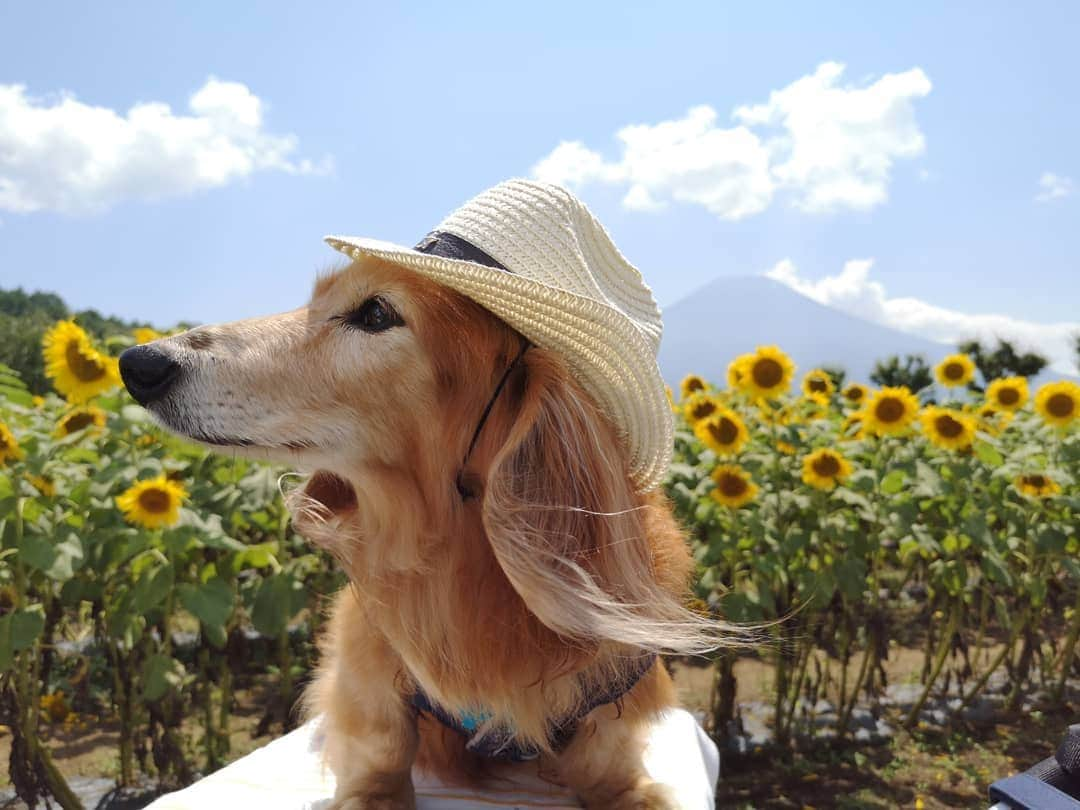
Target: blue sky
[(376, 119)]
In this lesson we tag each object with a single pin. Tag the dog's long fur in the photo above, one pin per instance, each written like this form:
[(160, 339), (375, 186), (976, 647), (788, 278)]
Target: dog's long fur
[(522, 601)]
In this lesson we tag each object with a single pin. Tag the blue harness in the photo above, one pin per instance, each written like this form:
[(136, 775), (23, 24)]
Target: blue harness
[(501, 744)]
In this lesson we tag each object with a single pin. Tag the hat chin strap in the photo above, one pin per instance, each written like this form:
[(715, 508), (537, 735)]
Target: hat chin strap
[(464, 490), (449, 246)]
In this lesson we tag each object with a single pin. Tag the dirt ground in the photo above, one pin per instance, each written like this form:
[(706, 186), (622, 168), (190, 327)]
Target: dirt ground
[(929, 769)]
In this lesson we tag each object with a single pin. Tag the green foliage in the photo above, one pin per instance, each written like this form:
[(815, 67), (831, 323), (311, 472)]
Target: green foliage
[(1003, 361), (25, 317), (838, 375), (71, 566), (913, 372), (824, 569)]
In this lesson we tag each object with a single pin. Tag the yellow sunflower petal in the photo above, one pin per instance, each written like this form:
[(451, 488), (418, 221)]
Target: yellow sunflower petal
[(824, 469), (698, 406), (723, 432), (1037, 485), (145, 334), (1059, 403), (77, 369), (948, 428), (154, 504), (88, 416), (737, 370), (890, 410), (1007, 393), (9, 446), (818, 384), (691, 384), (768, 373), (955, 370), (734, 487), (855, 394)]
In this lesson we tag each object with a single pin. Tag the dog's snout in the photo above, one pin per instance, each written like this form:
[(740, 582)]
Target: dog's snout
[(148, 373)]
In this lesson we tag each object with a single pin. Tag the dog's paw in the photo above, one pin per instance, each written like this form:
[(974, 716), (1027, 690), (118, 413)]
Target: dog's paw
[(645, 796)]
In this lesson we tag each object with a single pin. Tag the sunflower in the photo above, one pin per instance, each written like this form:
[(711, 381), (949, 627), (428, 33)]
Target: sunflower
[(855, 394), (769, 414), (1037, 485), (78, 370), (734, 487), (948, 428), (852, 427), (954, 370), (145, 334), (698, 406), (1058, 402), (153, 504), (787, 448), (814, 406), (825, 468), (671, 399), (38, 401), (691, 384), (1008, 393), (9, 447), (79, 419), (767, 372), (890, 410), (723, 432), (55, 707), (42, 484), (992, 420), (817, 384), (736, 370)]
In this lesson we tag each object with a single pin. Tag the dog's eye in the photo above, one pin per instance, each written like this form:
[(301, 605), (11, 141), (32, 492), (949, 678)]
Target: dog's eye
[(374, 315)]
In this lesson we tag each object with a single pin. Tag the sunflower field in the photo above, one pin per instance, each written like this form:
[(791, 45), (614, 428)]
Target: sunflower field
[(143, 581), (171, 573), (815, 512)]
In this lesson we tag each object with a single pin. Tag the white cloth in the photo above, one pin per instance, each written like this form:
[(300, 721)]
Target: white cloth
[(288, 774)]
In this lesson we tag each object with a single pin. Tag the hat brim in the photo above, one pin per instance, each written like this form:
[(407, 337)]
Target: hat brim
[(607, 354)]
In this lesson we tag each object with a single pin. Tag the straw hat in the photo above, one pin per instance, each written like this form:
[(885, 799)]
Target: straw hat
[(535, 256)]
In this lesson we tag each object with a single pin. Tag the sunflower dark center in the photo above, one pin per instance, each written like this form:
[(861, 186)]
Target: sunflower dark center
[(694, 384), (826, 465), (77, 421), (818, 385), (87, 369), (3, 442), (948, 427), (854, 394), (724, 431), (1038, 481), (732, 485), (889, 409), (954, 371), (767, 373), (1061, 405), (155, 500), (702, 409), (1008, 396)]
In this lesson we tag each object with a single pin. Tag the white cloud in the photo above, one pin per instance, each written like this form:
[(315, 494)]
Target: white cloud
[(828, 146), (1053, 187), (61, 154), (852, 291)]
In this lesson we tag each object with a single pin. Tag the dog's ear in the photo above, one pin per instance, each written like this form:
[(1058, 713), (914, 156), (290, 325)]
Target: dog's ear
[(568, 529)]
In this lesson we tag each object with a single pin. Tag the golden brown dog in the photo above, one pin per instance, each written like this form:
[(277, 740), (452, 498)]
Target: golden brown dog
[(545, 585)]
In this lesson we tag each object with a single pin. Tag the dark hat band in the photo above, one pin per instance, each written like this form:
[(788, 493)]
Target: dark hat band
[(448, 246)]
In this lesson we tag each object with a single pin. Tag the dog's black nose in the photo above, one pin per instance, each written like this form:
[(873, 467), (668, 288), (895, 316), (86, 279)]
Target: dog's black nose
[(148, 373)]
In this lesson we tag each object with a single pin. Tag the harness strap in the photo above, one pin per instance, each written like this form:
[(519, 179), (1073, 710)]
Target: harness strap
[(500, 743)]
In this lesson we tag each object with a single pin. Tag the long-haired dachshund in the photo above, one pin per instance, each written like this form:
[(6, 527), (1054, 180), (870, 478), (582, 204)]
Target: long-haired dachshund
[(511, 610)]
